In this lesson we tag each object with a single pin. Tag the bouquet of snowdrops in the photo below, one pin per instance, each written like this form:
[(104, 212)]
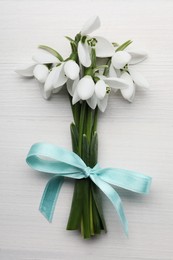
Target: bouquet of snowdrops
[(95, 68)]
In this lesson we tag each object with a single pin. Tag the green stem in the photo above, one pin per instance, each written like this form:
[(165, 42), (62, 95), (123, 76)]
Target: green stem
[(75, 110), (89, 124), (91, 213), (76, 207), (81, 127), (85, 221), (95, 120), (86, 210)]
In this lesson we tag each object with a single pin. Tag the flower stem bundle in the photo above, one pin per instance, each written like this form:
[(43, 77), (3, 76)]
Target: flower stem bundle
[(86, 210)]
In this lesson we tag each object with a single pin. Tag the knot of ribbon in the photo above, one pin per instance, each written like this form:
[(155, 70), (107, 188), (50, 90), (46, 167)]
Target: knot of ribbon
[(62, 163), (87, 172)]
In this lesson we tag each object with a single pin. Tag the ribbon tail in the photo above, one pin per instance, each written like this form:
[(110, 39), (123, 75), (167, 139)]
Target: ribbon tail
[(126, 179), (50, 196), (114, 198)]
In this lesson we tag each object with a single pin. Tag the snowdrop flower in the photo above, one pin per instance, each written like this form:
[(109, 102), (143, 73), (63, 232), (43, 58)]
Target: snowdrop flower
[(52, 80), (59, 76), (39, 68), (94, 93), (100, 96), (102, 46), (41, 58), (123, 63)]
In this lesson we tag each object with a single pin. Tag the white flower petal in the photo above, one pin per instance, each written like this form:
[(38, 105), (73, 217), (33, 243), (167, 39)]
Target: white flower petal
[(116, 83), (84, 54), (48, 86), (137, 55), (103, 47), (118, 72), (60, 77), (26, 71), (41, 72), (91, 25), (102, 104), (120, 59), (75, 83), (112, 72), (100, 89), (76, 97), (71, 85), (47, 94), (85, 87), (92, 102), (129, 92), (43, 57), (138, 78), (41, 86), (71, 69), (100, 76)]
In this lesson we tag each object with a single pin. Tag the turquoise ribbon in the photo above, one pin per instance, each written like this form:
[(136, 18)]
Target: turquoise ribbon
[(62, 163)]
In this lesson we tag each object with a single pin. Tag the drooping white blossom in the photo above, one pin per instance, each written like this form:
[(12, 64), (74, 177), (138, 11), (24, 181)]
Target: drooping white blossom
[(41, 72), (59, 75), (120, 59), (40, 58), (52, 79), (71, 69), (84, 54), (102, 46), (67, 70), (129, 58)]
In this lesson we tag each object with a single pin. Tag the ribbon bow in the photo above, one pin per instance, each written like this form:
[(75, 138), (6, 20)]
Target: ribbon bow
[(62, 163)]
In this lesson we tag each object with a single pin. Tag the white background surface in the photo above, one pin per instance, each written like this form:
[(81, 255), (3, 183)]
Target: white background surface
[(136, 136)]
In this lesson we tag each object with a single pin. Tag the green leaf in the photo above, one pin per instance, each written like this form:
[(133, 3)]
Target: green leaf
[(86, 208), (52, 51), (89, 123), (69, 38), (74, 137), (76, 113), (75, 216), (81, 126), (98, 203), (106, 70), (85, 150), (94, 150), (72, 43), (124, 45), (74, 50), (92, 205), (115, 44), (77, 37), (83, 39), (100, 67)]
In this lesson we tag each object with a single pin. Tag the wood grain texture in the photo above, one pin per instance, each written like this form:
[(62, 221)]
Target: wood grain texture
[(136, 136)]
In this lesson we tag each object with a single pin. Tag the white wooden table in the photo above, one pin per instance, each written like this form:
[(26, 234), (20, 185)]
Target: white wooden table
[(136, 136)]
